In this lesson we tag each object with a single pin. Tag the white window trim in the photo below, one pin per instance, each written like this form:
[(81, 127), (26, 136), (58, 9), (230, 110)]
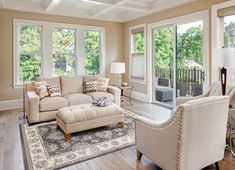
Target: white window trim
[(47, 47), (202, 15), (217, 39), (130, 54)]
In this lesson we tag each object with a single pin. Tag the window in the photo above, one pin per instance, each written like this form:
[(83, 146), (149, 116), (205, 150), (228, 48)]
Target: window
[(53, 49), (63, 50), (92, 52), (229, 31), (137, 53), (30, 52)]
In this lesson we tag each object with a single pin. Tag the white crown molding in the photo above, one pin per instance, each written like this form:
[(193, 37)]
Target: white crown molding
[(11, 104)]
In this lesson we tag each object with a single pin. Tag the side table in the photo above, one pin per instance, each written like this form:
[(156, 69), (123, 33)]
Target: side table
[(126, 96)]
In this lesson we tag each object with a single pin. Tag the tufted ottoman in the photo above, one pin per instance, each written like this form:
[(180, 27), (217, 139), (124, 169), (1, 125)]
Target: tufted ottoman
[(87, 116)]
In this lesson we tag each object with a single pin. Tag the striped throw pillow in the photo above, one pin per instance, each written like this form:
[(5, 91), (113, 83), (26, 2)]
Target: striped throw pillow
[(53, 90)]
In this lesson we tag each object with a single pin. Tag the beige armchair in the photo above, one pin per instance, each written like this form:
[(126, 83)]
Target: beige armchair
[(193, 138), (214, 90)]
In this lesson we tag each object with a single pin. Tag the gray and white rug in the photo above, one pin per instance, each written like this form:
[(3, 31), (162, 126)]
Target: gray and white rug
[(45, 146)]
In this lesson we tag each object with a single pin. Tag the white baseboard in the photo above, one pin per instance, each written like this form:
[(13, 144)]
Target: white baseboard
[(11, 104), (139, 96)]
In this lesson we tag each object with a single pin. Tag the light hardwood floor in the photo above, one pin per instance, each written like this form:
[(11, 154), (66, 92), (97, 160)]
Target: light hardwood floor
[(11, 151)]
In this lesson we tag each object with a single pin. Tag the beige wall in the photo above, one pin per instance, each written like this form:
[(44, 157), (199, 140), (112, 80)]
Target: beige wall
[(193, 7), (114, 45)]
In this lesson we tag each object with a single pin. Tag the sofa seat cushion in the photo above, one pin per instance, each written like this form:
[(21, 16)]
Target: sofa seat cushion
[(78, 98), (52, 103), (86, 112), (96, 95)]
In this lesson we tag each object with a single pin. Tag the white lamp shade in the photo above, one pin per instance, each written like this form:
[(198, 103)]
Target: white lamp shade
[(118, 68), (224, 57)]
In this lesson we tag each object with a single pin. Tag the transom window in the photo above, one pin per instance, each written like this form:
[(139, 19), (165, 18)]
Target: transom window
[(51, 49)]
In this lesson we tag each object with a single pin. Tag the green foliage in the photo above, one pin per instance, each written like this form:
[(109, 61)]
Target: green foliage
[(189, 47), (30, 67), (92, 52), (30, 47), (163, 39), (139, 42), (63, 52), (229, 33)]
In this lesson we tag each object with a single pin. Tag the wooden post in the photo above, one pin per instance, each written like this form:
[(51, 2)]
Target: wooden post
[(121, 124)]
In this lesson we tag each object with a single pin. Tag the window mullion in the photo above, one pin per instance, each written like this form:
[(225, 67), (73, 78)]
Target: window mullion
[(80, 52), (47, 66)]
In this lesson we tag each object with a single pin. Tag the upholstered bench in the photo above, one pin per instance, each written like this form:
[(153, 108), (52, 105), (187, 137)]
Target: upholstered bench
[(81, 117)]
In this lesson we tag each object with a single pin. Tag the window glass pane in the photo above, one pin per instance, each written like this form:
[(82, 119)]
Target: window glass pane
[(138, 40), (229, 31), (92, 52), (30, 52), (137, 54), (63, 50)]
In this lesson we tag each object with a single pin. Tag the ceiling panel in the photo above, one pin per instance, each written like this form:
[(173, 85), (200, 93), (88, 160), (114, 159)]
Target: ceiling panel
[(111, 10)]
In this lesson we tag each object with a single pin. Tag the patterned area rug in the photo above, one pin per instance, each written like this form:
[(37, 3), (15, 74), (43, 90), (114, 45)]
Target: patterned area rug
[(45, 146)]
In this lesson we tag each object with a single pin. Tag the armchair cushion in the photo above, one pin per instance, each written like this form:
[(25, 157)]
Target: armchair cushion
[(78, 98), (52, 103)]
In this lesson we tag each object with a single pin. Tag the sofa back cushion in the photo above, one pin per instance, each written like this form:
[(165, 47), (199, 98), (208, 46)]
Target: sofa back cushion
[(71, 85), (52, 81)]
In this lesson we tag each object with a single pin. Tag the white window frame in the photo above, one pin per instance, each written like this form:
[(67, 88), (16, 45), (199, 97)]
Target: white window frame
[(47, 58), (202, 15), (144, 81), (217, 38)]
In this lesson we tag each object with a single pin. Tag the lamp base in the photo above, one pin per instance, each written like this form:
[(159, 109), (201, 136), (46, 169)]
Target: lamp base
[(117, 80), (223, 77)]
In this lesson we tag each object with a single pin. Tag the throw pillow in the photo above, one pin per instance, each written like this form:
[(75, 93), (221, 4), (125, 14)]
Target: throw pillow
[(53, 90), (102, 84), (90, 86), (41, 88)]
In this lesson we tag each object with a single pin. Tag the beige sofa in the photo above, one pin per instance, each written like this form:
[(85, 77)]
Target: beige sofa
[(39, 110)]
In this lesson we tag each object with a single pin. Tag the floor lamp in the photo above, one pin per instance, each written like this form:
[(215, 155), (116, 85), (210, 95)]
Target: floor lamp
[(225, 59), (117, 68)]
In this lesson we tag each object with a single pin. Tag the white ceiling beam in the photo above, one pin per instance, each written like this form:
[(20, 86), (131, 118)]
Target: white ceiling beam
[(136, 8), (117, 4), (51, 4), (100, 2)]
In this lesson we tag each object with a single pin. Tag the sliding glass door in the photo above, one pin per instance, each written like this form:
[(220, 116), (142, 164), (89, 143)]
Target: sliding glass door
[(163, 64), (178, 61)]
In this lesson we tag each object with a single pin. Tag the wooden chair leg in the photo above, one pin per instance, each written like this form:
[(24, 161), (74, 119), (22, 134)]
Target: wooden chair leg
[(121, 124), (68, 136), (218, 165), (139, 155), (233, 141)]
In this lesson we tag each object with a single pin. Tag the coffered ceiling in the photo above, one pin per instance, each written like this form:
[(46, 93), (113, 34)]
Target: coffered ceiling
[(110, 10)]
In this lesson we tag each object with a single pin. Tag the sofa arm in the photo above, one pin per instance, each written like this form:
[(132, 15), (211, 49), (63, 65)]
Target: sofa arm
[(116, 92), (32, 106)]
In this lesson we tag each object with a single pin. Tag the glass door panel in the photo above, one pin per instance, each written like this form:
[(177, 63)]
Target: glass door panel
[(189, 59), (163, 64)]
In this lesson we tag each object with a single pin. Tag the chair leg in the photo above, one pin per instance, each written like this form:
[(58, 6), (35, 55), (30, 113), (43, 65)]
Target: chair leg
[(121, 124), (138, 154), (233, 141), (218, 165), (68, 136)]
